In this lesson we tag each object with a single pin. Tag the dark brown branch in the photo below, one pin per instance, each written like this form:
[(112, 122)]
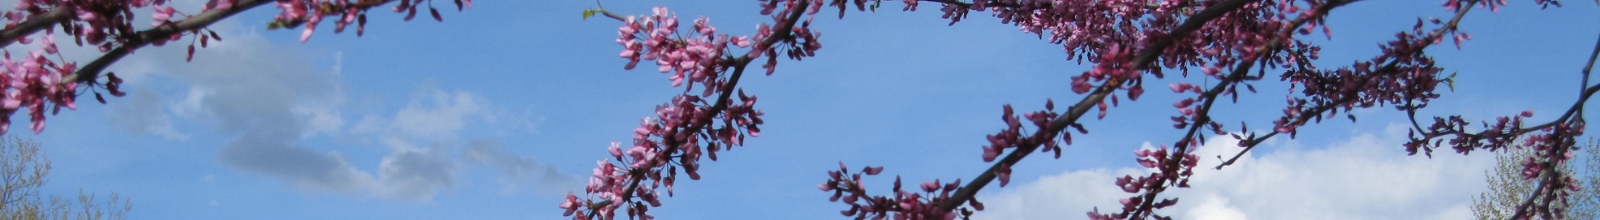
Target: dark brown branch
[(34, 24), (1077, 111), (89, 72)]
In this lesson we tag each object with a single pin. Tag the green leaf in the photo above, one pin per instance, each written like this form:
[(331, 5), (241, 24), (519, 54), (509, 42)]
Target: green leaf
[(1451, 80), (590, 13)]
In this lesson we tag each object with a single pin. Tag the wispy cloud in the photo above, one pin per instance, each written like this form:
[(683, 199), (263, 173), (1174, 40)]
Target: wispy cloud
[(271, 100), (518, 173), (142, 113), (1365, 177)]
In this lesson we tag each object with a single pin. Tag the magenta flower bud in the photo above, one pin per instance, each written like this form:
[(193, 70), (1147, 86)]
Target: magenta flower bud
[(1183, 103), (1180, 87)]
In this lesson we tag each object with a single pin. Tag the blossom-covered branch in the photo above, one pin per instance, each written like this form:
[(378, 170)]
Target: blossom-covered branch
[(1118, 68), (1543, 198), (1406, 80), (1174, 168), (159, 33), (1045, 135), (688, 120), (1124, 40), (36, 80), (1551, 151), (32, 24), (1326, 100)]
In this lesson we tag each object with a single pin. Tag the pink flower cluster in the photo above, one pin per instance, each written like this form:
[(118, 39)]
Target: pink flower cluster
[(670, 141), (1153, 183), (1012, 136), (798, 42), (1501, 134), (311, 12), (700, 57), (697, 59), (661, 147), (34, 81), (94, 21), (904, 205)]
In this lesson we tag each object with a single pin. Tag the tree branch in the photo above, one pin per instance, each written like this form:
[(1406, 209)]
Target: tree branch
[(34, 24), (1590, 65), (1077, 111), (89, 72), (1549, 167), (1202, 115), (780, 32), (1436, 34)]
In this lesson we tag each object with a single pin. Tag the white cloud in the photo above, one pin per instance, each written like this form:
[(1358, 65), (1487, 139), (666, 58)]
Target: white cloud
[(441, 120), (436, 116), (1215, 207), (1071, 195), (1366, 177)]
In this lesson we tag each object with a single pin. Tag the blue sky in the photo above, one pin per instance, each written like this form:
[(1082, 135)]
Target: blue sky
[(501, 109)]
